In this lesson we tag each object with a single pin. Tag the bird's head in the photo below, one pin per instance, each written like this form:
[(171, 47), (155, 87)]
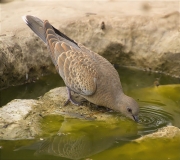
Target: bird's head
[(128, 107)]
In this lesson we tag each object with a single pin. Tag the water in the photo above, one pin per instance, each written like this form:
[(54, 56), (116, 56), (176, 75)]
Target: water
[(70, 138), (152, 118)]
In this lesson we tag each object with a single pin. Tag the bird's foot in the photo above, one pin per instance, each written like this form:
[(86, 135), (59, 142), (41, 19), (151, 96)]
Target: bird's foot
[(72, 101)]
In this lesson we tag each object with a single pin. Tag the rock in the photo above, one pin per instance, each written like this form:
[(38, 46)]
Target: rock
[(14, 120), (54, 104), (22, 60), (169, 132), (20, 119), (164, 144), (133, 41), (145, 37), (11, 113)]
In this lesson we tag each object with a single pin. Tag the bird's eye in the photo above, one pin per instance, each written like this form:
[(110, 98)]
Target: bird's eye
[(129, 110)]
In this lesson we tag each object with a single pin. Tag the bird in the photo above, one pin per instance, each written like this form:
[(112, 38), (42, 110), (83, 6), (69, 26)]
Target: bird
[(83, 71)]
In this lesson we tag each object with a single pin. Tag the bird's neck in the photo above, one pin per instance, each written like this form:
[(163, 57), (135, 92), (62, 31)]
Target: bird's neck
[(113, 101), (120, 102)]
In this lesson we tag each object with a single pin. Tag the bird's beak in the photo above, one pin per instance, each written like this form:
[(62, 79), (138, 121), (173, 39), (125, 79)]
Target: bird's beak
[(136, 119)]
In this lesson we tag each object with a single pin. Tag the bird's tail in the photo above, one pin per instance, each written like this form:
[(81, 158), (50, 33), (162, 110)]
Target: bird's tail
[(36, 25), (56, 41), (43, 30)]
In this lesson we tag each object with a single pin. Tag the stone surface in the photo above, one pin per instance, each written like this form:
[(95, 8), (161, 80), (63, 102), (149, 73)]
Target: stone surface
[(20, 119), (16, 120), (22, 60), (169, 132), (16, 110), (147, 36)]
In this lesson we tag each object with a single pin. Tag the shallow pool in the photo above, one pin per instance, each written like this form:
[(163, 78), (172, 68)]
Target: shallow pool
[(70, 138)]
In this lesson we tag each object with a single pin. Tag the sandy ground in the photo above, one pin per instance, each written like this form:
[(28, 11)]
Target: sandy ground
[(60, 10)]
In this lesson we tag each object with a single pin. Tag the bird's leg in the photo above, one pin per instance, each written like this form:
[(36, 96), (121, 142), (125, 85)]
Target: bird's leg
[(67, 102), (70, 99)]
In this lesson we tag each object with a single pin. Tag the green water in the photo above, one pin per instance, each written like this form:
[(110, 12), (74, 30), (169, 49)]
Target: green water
[(68, 138)]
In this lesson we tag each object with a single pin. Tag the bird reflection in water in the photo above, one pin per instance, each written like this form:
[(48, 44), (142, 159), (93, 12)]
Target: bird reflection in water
[(76, 142)]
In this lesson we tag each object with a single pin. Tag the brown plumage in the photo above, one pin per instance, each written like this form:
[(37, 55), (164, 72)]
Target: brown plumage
[(83, 71)]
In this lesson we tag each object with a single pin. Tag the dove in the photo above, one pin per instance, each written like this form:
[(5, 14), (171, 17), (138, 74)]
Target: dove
[(84, 71)]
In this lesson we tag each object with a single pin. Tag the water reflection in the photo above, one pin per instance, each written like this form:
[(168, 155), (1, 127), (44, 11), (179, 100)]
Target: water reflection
[(78, 139), (74, 145)]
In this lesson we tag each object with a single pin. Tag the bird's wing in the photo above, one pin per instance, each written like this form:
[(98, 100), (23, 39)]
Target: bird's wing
[(105, 68), (76, 67), (78, 71)]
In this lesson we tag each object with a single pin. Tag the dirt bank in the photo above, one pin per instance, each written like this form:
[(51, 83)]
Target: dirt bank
[(145, 35)]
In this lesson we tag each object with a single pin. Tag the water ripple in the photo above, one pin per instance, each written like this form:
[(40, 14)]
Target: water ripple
[(151, 118)]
